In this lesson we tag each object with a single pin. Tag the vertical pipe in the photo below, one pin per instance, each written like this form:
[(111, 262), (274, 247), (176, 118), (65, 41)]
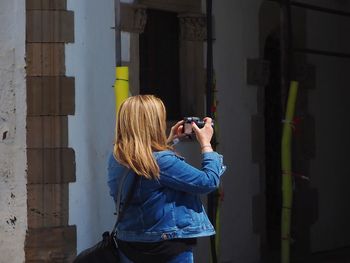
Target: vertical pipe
[(286, 164), (209, 88), (118, 56), (209, 102), (284, 80), (287, 74), (121, 84)]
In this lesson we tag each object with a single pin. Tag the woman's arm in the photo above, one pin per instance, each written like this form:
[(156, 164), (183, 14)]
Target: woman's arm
[(177, 174)]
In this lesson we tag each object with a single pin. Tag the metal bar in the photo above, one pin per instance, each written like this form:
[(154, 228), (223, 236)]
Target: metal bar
[(118, 49), (209, 101), (321, 52), (317, 8), (209, 87)]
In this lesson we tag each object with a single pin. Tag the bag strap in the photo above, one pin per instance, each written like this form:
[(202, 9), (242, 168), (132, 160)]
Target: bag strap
[(120, 209)]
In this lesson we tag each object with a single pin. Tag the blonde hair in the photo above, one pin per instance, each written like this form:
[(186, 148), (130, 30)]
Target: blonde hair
[(140, 130)]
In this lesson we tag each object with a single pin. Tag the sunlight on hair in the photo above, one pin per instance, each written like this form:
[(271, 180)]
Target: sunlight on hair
[(140, 130)]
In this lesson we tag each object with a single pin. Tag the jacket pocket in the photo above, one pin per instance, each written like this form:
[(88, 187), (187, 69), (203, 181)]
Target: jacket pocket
[(183, 216)]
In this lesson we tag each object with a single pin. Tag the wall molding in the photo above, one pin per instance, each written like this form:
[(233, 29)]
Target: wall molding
[(51, 164), (133, 18), (193, 27)]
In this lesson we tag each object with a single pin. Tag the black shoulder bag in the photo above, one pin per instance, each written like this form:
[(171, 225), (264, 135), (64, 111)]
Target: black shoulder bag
[(107, 251)]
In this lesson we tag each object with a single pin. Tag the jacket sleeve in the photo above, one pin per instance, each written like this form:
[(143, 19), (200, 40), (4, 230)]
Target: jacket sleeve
[(177, 174), (112, 172)]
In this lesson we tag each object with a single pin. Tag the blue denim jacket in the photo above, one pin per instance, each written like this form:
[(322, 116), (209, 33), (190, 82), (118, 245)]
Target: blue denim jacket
[(169, 207)]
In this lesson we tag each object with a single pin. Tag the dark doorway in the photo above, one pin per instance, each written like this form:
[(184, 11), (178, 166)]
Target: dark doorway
[(159, 60), (273, 128)]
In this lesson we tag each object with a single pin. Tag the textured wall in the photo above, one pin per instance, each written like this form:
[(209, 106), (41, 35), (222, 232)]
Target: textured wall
[(329, 105), (237, 38), (91, 59), (13, 214)]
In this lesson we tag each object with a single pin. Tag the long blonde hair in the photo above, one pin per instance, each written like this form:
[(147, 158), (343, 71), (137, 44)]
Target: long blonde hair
[(140, 130)]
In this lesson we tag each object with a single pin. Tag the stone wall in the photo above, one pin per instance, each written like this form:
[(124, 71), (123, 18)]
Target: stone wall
[(13, 210), (51, 164)]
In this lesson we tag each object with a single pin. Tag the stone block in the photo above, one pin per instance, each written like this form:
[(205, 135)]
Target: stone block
[(51, 244), (47, 205), (47, 132), (45, 59), (51, 166), (50, 26), (50, 96)]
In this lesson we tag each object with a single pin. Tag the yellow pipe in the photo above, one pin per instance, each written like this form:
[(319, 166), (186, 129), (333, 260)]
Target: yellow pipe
[(121, 86), (287, 187)]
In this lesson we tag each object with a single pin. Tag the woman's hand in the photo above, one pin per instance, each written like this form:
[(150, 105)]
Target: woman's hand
[(204, 135), (176, 132)]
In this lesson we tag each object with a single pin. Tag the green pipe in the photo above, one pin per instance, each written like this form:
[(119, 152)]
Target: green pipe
[(287, 187), (218, 225)]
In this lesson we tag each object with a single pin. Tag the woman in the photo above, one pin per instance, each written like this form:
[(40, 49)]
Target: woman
[(164, 215)]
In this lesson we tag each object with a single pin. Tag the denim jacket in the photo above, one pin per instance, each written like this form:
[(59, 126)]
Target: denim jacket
[(168, 207)]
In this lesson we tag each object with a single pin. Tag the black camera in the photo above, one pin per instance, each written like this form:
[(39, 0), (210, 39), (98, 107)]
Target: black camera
[(188, 124)]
